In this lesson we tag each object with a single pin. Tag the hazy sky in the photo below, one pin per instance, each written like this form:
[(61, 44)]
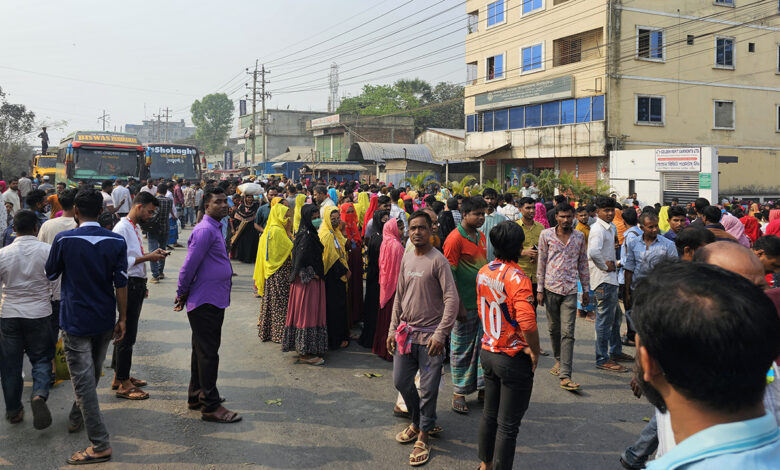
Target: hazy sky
[(68, 60)]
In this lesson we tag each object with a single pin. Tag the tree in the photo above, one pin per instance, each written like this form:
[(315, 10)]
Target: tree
[(546, 182), (15, 123), (419, 180), (212, 116), (461, 187)]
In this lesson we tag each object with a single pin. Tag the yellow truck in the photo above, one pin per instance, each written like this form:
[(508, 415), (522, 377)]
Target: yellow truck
[(44, 165)]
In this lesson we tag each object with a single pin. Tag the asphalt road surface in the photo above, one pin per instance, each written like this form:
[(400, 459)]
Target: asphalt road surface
[(330, 417)]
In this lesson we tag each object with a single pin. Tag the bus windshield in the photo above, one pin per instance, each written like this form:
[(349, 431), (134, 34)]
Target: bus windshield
[(172, 161), (104, 164), (47, 162)]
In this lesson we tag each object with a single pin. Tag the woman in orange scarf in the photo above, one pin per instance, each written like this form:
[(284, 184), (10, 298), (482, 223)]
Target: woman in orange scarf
[(355, 260)]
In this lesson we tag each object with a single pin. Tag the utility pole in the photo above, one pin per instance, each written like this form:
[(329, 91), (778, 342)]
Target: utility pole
[(159, 125), (263, 96), (167, 115), (254, 111), (104, 118)]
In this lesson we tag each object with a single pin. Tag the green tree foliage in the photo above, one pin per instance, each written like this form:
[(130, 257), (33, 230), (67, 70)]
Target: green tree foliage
[(439, 106), (419, 180), (16, 122), (212, 117), (460, 187)]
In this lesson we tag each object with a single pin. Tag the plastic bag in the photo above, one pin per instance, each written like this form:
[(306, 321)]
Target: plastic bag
[(250, 189), (60, 364)]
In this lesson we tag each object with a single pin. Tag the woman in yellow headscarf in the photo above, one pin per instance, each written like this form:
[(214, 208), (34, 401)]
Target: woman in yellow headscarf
[(361, 207), (300, 200), (663, 219), (272, 273), (334, 259)]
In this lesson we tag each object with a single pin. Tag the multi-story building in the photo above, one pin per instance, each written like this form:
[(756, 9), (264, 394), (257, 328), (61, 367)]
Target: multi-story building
[(560, 83), (284, 128), (335, 134), (160, 131)]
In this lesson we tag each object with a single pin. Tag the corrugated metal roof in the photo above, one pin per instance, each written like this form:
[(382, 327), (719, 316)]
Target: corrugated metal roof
[(336, 166), (381, 152), (457, 133), (296, 154)]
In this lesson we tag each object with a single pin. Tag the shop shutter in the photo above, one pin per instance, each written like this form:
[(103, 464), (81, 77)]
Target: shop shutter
[(683, 186)]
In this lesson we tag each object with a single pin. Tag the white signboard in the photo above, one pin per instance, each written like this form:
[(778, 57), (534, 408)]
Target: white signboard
[(325, 121), (680, 159)]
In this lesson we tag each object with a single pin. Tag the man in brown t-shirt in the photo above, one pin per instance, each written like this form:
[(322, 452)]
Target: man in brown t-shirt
[(423, 315)]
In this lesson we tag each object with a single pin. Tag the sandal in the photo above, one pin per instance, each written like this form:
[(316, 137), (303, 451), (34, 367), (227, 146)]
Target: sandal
[(134, 393), (555, 371), (481, 396), (408, 435), (612, 366), (87, 459), (459, 405), (421, 458), (17, 418), (570, 385), (221, 415), (436, 431), (312, 361), (133, 380)]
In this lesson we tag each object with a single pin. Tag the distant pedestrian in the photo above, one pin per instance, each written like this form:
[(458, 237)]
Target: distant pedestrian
[(44, 136), (272, 274), (205, 281), (157, 232), (25, 185), (337, 273), (93, 264)]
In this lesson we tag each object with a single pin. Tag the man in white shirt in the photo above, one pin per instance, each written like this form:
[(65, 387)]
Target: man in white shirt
[(149, 188), (108, 201), (604, 279), (25, 320), (12, 195), (509, 210), (122, 199), (25, 185), (321, 198), (395, 210), (142, 210)]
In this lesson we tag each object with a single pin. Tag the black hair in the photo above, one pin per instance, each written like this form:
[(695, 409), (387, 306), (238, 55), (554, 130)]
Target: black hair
[(700, 203), (591, 207), (508, 198), (677, 211), (382, 200), (650, 209), (563, 207), (437, 206), (713, 214), (714, 337), (526, 200), (694, 238), (106, 220), (770, 244), (224, 184), (162, 188), (605, 202), (507, 239), (145, 198), (89, 202), (674, 199), (473, 203), (408, 206), (424, 215), (34, 197), (582, 209), (490, 192), (629, 216), (66, 199), (61, 183), (25, 222), (24, 173), (459, 197), (395, 194), (647, 215), (209, 192), (452, 203), (738, 212), (559, 199), (107, 184), (429, 199), (657, 206)]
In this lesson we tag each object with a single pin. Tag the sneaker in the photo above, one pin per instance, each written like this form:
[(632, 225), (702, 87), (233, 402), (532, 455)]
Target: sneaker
[(162, 276), (155, 280)]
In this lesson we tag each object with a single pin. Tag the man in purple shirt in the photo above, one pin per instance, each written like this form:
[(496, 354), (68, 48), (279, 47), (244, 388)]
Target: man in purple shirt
[(204, 287)]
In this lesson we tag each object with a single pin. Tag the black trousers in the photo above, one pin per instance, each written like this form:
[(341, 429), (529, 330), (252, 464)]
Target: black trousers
[(508, 385), (206, 323), (123, 350)]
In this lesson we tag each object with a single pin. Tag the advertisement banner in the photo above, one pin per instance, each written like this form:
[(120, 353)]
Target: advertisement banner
[(679, 159), (228, 160)]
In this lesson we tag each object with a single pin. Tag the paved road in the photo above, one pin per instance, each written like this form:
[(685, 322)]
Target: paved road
[(331, 417)]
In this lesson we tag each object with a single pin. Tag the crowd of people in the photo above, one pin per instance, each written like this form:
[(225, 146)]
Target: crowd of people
[(421, 277)]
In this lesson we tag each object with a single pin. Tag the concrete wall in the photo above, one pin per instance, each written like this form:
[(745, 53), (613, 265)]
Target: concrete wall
[(286, 128), (441, 145), (396, 170)]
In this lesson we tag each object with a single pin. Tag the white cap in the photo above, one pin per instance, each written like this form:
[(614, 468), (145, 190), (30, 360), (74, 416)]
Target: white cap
[(46, 178)]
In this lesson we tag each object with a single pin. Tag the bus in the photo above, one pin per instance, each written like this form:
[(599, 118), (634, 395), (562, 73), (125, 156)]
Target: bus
[(92, 157), (44, 165), (173, 161)]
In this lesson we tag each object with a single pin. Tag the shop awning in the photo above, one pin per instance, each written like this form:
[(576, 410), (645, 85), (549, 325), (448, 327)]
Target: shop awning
[(478, 153)]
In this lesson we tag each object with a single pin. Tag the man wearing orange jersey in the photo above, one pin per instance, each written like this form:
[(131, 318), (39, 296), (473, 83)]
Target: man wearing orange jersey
[(510, 347)]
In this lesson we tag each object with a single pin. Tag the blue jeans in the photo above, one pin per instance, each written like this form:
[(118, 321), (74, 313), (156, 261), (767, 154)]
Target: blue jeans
[(20, 336), (157, 241), (188, 217), (637, 454), (173, 231), (608, 322)]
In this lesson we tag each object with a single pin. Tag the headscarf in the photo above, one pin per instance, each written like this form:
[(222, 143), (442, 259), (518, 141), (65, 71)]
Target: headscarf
[(274, 247), (361, 207), (408, 205), (372, 206), (390, 255), (334, 195), (774, 214), (752, 229), (299, 201), (620, 225), (663, 219), (275, 201), (3, 186), (540, 215), (735, 228), (332, 241), (446, 224), (754, 209), (350, 221), (307, 248)]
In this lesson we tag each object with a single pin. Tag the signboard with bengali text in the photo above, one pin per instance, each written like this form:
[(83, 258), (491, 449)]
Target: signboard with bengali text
[(325, 121), (678, 159), (536, 92)]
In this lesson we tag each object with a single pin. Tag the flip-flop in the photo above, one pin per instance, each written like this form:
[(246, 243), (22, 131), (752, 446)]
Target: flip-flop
[(426, 452), (88, 459), (570, 385), (555, 371), (135, 382), (465, 409), (227, 417), (133, 394)]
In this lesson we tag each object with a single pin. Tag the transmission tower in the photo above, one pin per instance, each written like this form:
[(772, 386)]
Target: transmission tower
[(333, 82)]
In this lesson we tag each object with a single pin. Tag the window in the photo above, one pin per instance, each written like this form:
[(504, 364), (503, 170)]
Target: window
[(577, 48), (532, 6), (777, 117), (724, 52), (650, 43), (778, 59), (551, 113), (583, 110), (532, 58), (487, 121), (471, 73), (567, 112), (598, 108), (727, 3), (689, 40), (471, 123), (751, 47), (558, 2), (472, 22), (517, 118), (533, 115), (650, 110), (495, 68), (501, 120), (495, 13), (723, 114)]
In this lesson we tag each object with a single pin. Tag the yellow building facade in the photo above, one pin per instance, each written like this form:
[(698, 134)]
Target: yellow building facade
[(560, 83)]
